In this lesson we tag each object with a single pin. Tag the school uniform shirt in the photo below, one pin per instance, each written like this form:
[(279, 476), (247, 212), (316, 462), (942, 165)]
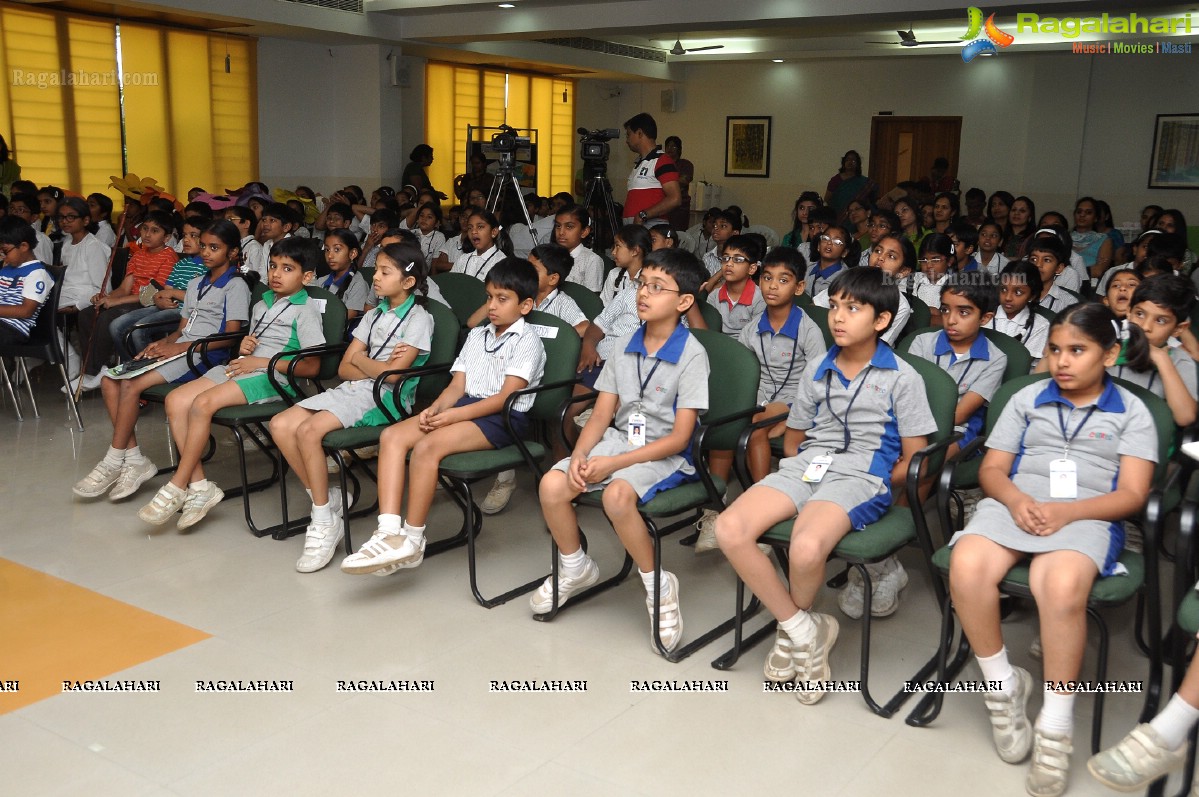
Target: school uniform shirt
[(897, 325), (1057, 299), (618, 319), (979, 370), (478, 265), (361, 227), (674, 378), (86, 262), (287, 324), (560, 305), (488, 359), (253, 257), (1151, 380), (712, 261), (818, 279), (588, 269), (105, 234), (1079, 267), (1035, 426), (209, 304), (995, 267), (430, 244), (30, 280), (1033, 334), (615, 282), (1069, 280), (784, 355), (350, 288), (452, 248), (929, 292), (44, 250), (860, 422), (737, 311), (384, 328)]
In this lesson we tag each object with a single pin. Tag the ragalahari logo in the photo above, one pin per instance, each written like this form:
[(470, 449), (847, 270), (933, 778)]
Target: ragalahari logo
[(987, 43)]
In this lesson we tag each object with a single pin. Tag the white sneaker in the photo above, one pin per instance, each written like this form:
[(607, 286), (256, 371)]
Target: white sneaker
[(1010, 728), (670, 621), (331, 465), (98, 481), (706, 541), (1050, 771), (498, 496), (92, 381), (542, 600), (888, 578), (584, 416), (198, 504), (164, 505), (382, 551), (1137, 760), (133, 476), (89, 383), (780, 665), (811, 660), (320, 541)]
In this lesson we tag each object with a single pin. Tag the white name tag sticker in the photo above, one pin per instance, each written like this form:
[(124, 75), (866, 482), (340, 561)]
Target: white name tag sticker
[(817, 468), (1063, 479), (636, 430), (319, 304), (544, 331)]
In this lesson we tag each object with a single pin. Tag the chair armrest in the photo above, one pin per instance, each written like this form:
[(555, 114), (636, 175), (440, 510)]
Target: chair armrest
[(166, 322), (296, 357), (912, 488), (699, 436), (202, 345), (590, 396), (945, 482), (509, 405), (740, 467), (405, 374)]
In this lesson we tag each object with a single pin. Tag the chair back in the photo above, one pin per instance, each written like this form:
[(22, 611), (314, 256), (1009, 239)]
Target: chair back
[(1019, 361), (921, 317), (562, 346), (257, 289), (1047, 314), (587, 300), (333, 321), (464, 293), (732, 386), (711, 316), (942, 394), (442, 351), (368, 275), (44, 335), (120, 264)]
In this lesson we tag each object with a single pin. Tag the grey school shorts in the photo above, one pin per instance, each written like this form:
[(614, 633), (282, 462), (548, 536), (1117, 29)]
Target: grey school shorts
[(864, 498), (646, 478), (349, 402)]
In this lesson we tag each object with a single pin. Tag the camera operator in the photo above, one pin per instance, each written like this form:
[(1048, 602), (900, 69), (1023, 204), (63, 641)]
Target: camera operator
[(654, 182)]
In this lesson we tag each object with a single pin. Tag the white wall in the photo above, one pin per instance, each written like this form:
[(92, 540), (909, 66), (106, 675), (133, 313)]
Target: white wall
[(1053, 125), (328, 120)]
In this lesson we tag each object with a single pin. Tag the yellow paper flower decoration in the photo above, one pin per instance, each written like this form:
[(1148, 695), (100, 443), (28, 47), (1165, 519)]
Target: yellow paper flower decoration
[(285, 196)]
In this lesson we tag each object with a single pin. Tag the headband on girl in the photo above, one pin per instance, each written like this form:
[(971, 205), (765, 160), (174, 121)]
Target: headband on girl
[(1049, 230)]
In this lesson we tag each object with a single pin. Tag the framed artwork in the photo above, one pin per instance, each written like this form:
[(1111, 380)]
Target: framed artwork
[(1174, 162), (747, 146)]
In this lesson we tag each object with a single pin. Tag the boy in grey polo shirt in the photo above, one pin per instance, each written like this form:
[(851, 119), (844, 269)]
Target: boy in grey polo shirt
[(738, 299), (858, 417), (968, 302), (655, 386)]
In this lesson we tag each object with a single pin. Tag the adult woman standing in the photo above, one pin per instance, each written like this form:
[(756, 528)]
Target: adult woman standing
[(420, 159), (680, 217), (10, 170), (849, 183)]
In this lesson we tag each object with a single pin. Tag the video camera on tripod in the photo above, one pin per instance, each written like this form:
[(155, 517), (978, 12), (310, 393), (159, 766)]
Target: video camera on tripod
[(505, 144), (594, 149)]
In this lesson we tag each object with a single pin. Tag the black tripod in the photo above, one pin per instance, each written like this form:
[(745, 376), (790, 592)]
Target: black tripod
[(505, 178), (598, 195)]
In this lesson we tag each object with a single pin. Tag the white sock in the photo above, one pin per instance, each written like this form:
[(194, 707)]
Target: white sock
[(800, 627), (322, 514), (415, 533), (506, 477), (390, 523), (1175, 722), (133, 455), (115, 456), (648, 580), (572, 564), (998, 668), (1057, 713), (198, 486)]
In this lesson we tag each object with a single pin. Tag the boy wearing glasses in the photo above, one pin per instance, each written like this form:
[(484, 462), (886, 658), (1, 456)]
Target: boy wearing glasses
[(738, 299), (654, 386)]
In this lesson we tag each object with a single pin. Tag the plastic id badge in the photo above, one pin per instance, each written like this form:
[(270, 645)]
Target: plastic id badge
[(1063, 479), (637, 430), (191, 320), (817, 468)]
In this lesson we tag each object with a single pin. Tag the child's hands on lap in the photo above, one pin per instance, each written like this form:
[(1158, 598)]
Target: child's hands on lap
[(574, 473), (1053, 515), (434, 418), (245, 365), (598, 468), (248, 344), (1026, 512)]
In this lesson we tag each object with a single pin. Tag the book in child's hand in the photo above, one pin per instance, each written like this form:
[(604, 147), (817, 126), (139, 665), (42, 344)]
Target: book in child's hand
[(132, 368)]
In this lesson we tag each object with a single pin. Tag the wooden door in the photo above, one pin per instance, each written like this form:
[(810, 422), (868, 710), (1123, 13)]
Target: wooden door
[(904, 147)]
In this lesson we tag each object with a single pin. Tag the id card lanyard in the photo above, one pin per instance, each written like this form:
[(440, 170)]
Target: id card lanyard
[(390, 335), (778, 388), (819, 465), (637, 419), (1063, 473)]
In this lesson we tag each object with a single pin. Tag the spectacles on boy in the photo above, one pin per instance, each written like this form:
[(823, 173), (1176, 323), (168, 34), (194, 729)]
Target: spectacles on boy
[(652, 288), (836, 241), (738, 259)]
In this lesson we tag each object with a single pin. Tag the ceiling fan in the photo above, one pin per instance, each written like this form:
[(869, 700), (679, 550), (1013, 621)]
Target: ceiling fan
[(908, 39), (678, 48)]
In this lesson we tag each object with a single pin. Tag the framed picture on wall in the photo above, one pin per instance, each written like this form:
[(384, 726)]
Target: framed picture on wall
[(1174, 162), (747, 146)]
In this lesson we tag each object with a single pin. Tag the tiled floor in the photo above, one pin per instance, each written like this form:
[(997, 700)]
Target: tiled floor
[(268, 622)]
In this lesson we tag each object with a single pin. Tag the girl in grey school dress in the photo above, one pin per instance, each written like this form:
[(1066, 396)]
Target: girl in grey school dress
[(1068, 459)]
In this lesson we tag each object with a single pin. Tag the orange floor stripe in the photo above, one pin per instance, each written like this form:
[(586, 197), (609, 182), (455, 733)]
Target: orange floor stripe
[(53, 631)]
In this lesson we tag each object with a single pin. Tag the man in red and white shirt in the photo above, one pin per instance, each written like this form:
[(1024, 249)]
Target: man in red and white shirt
[(654, 182)]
